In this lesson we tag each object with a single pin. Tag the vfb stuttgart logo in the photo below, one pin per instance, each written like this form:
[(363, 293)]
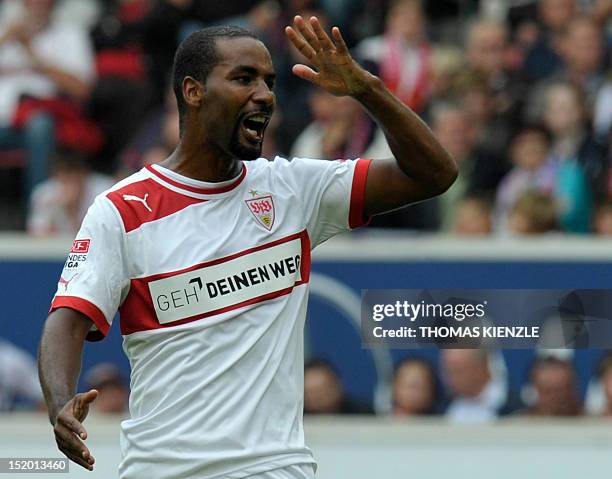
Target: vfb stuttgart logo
[(261, 207)]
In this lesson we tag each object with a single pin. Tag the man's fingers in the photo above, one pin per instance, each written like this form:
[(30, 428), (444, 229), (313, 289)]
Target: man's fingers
[(90, 396), (340, 43), (305, 73), (298, 41), (81, 402), (78, 460), (72, 424), (71, 441), (307, 33), (322, 37), (78, 455)]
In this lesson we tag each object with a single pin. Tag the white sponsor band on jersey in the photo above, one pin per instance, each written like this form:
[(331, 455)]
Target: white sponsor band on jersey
[(222, 285)]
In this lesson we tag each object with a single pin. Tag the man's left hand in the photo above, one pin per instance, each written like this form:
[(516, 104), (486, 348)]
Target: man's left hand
[(336, 71)]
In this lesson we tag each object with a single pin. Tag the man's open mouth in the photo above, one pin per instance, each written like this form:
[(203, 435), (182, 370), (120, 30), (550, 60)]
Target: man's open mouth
[(254, 126)]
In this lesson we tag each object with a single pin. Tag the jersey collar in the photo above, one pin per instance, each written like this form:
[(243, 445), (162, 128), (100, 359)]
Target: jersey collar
[(190, 186)]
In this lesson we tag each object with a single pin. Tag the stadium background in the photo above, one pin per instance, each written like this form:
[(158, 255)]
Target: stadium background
[(432, 245)]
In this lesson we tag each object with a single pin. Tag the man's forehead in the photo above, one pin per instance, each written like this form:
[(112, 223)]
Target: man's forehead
[(243, 51)]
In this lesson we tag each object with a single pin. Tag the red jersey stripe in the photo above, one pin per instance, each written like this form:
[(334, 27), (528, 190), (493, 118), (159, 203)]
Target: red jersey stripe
[(357, 216)]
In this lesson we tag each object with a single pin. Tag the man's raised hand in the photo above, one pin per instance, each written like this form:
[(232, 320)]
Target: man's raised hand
[(336, 71), (69, 430)]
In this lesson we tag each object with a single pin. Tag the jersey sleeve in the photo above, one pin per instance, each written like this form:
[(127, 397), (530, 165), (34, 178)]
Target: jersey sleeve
[(333, 195), (95, 276)]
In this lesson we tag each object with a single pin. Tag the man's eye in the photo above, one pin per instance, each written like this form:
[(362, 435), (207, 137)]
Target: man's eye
[(243, 79)]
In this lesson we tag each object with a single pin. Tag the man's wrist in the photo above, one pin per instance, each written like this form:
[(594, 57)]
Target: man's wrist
[(373, 87)]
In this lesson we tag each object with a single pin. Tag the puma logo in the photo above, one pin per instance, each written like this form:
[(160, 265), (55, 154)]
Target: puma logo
[(66, 282), (136, 198)]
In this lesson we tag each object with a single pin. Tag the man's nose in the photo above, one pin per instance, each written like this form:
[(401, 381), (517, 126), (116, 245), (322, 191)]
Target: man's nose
[(264, 94)]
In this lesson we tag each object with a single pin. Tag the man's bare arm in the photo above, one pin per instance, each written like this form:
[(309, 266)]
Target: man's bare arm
[(59, 366), (422, 168)]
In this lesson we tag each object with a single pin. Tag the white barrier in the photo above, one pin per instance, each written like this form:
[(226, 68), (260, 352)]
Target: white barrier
[(378, 448), (382, 245)]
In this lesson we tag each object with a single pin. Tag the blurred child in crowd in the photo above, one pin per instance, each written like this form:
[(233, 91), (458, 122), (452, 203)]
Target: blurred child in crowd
[(473, 217), (533, 213), (534, 170)]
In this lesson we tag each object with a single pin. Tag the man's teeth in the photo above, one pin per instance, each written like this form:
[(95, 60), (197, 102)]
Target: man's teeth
[(258, 119)]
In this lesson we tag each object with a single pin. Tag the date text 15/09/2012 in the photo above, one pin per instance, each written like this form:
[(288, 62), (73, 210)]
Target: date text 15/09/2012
[(432, 332)]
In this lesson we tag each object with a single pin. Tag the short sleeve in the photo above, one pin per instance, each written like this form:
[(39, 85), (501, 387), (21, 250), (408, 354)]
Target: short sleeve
[(95, 277), (333, 195)]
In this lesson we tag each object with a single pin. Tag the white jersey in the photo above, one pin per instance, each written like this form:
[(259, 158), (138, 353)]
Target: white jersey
[(211, 282)]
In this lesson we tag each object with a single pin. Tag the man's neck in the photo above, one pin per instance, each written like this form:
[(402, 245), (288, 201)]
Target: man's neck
[(202, 163)]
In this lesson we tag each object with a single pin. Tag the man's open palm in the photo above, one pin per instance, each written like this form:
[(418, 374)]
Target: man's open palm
[(69, 430), (336, 71)]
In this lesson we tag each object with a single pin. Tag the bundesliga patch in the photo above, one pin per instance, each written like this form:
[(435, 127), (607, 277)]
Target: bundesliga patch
[(78, 253), (261, 206), (80, 246)]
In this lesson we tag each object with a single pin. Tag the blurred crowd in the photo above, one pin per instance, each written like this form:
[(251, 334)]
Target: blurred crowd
[(470, 386), (463, 386), (520, 92)]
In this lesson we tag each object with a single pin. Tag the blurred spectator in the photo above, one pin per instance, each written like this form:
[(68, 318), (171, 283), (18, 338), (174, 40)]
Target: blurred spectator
[(602, 113), (113, 392), (123, 92), (533, 213), (77, 12), (323, 391), (544, 56), (58, 205), (582, 161), (555, 388), (602, 223), (489, 129), (18, 378), (401, 55), (473, 217), (445, 63), (43, 59), (341, 129), (415, 390), (486, 48), (293, 94), (451, 126), (583, 56), (534, 170), (477, 395)]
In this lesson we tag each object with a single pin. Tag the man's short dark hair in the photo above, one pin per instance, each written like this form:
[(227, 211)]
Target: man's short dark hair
[(197, 55)]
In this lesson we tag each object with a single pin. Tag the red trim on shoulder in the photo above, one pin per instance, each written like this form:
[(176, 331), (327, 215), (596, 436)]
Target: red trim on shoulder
[(138, 313), (356, 211), (195, 189), (88, 309), (145, 201)]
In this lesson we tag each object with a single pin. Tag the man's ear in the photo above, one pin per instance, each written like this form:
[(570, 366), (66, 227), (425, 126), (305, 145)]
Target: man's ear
[(193, 91)]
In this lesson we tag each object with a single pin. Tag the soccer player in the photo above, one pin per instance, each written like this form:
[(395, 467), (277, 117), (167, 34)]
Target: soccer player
[(207, 258)]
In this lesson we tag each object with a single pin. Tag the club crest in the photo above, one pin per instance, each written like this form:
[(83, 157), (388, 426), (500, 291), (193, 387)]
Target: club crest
[(261, 206)]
